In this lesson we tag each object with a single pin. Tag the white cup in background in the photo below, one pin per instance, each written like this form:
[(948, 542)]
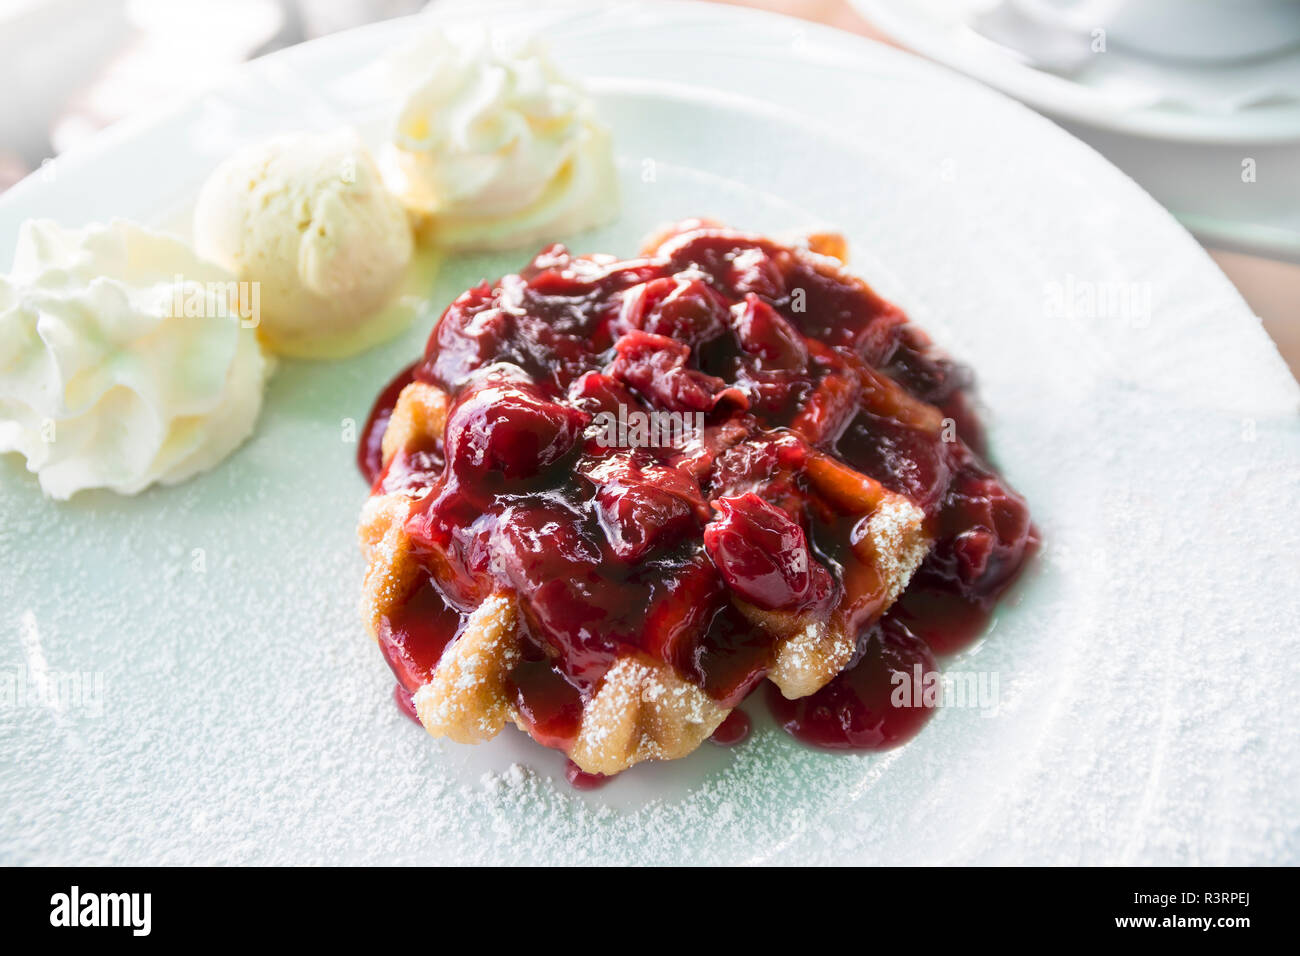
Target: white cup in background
[(1217, 31)]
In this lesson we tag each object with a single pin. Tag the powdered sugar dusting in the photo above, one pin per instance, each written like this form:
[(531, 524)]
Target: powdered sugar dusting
[(468, 698), (894, 530), (642, 711)]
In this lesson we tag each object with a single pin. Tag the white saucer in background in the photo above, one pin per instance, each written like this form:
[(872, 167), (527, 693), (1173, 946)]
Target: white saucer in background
[(1185, 129)]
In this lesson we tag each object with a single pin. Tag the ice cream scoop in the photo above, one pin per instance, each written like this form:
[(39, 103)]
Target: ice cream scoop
[(307, 217)]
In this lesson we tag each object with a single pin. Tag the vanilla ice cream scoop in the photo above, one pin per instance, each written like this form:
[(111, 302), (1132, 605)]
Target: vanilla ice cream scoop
[(494, 147), (307, 217), (124, 359)]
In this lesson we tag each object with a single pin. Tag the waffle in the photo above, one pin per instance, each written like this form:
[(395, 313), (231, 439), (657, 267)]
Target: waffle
[(456, 487)]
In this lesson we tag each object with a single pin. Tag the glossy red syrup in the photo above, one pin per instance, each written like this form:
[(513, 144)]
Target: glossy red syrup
[(370, 457), (735, 729), (613, 550), (414, 638), (579, 779), (862, 709), (405, 702), (549, 706), (946, 621)]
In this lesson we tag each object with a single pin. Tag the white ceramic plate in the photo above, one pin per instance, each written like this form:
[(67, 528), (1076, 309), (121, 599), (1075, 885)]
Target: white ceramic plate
[(231, 709)]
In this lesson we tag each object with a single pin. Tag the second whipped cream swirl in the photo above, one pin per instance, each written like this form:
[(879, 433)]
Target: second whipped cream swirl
[(494, 147)]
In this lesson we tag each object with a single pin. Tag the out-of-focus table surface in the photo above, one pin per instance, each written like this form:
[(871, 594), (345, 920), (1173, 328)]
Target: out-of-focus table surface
[(1272, 288)]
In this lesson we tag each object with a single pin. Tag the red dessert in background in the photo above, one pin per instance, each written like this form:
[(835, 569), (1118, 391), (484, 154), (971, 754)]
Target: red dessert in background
[(801, 381)]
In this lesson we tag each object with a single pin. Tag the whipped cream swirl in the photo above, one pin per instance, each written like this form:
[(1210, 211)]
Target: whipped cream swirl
[(495, 147), (124, 360)]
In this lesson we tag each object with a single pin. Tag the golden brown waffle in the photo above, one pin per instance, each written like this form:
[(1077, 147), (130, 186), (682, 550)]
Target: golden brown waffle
[(642, 708)]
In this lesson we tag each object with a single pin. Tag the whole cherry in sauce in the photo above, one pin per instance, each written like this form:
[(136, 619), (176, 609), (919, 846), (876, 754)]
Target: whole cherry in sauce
[(763, 555), (506, 426)]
